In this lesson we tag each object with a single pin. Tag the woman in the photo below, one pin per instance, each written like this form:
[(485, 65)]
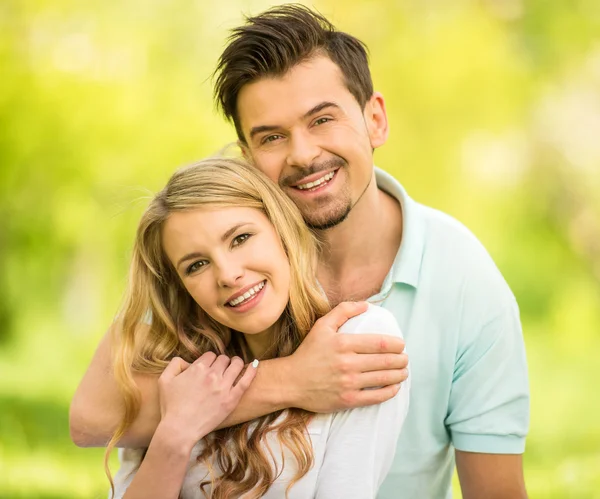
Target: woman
[(225, 264)]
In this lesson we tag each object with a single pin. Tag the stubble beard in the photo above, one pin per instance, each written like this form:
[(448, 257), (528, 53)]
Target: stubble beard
[(316, 220), (327, 212)]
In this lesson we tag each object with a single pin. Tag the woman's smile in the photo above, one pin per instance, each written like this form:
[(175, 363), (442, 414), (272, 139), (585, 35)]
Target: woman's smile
[(247, 298), (232, 262)]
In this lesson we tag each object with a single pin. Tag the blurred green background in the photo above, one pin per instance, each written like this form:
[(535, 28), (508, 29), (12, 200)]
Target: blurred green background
[(495, 119)]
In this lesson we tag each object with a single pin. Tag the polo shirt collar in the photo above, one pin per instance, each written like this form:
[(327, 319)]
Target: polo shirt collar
[(407, 263)]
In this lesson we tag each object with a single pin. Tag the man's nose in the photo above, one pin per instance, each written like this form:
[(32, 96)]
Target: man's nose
[(303, 150)]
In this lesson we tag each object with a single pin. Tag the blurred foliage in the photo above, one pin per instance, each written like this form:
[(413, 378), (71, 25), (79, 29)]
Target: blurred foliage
[(495, 119)]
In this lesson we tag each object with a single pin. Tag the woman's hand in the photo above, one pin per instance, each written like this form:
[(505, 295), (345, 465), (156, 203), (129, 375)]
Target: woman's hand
[(196, 398)]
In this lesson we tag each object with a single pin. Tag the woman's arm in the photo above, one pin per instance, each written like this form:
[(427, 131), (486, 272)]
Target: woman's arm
[(185, 390), (362, 442), (325, 374)]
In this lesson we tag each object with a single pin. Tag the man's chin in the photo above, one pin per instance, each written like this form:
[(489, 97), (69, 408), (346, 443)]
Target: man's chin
[(326, 223)]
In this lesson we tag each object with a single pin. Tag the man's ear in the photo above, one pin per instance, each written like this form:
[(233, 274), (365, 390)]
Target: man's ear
[(376, 120), (245, 151)]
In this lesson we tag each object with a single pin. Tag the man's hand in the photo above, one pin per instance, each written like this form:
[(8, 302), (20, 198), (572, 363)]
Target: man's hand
[(331, 370), (326, 373)]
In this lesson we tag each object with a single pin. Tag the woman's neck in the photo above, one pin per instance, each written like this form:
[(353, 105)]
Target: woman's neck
[(259, 343)]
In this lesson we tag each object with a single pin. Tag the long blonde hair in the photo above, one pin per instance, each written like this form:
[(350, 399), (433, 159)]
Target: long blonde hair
[(179, 327)]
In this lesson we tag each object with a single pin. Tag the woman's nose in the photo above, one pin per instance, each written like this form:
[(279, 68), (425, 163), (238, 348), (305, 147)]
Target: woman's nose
[(229, 273)]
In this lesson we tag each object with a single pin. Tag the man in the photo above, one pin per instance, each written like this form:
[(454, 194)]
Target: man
[(301, 98)]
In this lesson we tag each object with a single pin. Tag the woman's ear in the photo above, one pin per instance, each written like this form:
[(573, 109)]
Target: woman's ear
[(376, 120)]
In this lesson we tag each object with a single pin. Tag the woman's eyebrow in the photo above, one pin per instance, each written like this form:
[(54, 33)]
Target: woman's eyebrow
[(187, 257), (224, 237), (230, 231)]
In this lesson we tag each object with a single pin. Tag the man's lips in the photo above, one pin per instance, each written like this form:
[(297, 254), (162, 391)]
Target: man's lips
[(303, 175), (310, 179)]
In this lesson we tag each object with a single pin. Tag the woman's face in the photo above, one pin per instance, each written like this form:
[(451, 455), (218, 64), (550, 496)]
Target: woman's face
[(232, 263)]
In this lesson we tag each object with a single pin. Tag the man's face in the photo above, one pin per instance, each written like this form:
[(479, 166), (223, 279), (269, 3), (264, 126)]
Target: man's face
[(307, 132)]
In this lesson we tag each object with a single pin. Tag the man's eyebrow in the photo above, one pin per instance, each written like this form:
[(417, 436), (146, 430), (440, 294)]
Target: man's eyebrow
[(272, 128), (319, 107), (224, 237), (260, 129)]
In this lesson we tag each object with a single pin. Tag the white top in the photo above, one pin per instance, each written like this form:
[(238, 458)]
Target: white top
[(353, 449)]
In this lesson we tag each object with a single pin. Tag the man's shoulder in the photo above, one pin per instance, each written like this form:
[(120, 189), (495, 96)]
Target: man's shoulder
[(454, 236), (458, 266), (437, 231), (449, 241), (454, 266)]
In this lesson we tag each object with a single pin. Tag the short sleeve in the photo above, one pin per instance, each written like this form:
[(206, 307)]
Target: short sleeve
[(489, 400), (362, 442)]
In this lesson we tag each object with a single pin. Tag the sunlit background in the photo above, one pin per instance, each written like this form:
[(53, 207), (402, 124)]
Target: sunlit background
[(495, 119)]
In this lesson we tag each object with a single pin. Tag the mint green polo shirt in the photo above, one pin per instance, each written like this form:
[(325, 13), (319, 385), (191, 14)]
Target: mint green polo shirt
[(461, 324)]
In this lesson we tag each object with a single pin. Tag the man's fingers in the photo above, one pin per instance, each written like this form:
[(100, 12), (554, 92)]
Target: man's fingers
[(207, 359), (374, 343), (378, 379), (244, 382), (379, 361), (362, 398), (336, 317), (175, 367)]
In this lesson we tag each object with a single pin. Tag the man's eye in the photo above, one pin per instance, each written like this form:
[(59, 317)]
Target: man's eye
[(241, 239), (320, 121), (195, 266), (270, 138)]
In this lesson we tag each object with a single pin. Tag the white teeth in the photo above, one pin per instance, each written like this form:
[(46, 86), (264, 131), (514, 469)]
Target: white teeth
[(251, 292), (310, 185)]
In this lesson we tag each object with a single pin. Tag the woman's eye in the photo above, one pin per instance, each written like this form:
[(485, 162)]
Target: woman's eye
[(241, 239), (195, 266)]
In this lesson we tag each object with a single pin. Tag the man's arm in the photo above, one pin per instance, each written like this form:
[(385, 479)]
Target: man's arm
[(325, 374), (488, 414), (490, 476)]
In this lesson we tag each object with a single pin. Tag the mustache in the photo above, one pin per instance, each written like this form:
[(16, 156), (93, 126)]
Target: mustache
[(299, 174)]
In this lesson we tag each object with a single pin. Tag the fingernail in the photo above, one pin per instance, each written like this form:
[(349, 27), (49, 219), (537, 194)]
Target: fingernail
[(255, 363)]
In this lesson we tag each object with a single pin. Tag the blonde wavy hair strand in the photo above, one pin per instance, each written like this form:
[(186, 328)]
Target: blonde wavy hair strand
[(179, 327)]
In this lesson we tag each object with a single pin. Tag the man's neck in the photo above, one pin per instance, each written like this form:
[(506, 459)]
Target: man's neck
[(358, 253)]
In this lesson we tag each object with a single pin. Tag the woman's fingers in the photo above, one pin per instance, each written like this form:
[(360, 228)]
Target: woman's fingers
[(233, 371), (220, 364), (206, 359), (244, 382), (174, 368)]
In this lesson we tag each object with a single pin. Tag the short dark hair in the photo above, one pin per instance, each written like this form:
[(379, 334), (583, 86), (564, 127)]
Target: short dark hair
[(272, 43)]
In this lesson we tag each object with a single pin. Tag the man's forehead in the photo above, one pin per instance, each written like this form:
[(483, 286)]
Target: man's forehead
[(272, 100)]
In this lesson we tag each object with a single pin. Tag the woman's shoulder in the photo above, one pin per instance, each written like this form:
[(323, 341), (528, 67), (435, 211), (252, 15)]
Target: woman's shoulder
[(375, 319)]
